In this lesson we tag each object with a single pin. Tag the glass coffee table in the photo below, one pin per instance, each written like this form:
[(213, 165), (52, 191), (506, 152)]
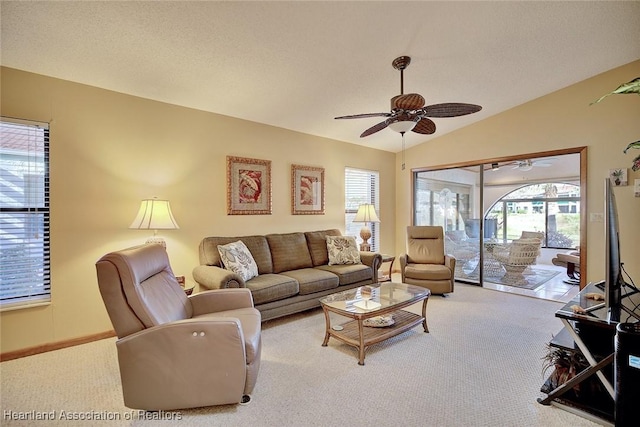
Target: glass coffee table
[(380, 305)]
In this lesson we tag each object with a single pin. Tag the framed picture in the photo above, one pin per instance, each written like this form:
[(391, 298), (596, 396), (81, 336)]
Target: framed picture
[(618, 176), (307, 190), (248, 186)]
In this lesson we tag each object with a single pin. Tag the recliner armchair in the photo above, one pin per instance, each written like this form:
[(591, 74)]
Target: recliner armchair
[(425, 263), (174, 351)]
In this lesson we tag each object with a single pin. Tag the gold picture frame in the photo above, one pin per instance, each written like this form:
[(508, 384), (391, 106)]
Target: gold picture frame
[(307, 190), (248, 186)]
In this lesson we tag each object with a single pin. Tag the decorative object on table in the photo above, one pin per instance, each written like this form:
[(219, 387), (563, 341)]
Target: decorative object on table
[(248, 186), (632, 87), (307, 190), (366, 214), (155, 214), (636, 187), (367, 293), (379, 321), (618, 177)]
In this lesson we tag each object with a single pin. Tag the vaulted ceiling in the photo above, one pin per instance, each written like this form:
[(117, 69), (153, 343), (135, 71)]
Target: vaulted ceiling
[(297, 65)]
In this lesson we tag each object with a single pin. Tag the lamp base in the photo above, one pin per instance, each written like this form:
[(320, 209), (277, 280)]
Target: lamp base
[(156, 240), (365, 234)]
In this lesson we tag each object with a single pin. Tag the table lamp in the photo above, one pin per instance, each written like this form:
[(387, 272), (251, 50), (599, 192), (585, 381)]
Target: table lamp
[(366, 213), (155, 215)]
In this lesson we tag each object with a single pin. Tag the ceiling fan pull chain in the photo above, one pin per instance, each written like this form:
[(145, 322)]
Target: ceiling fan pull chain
[(402, 133)]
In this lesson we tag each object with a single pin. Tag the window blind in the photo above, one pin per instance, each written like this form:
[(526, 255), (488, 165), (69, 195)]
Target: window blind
[(24, 213), (360, 187)]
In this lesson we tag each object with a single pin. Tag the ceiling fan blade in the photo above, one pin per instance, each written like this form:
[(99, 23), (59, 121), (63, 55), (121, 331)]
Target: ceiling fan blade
[(425, 126), (409, 101), (375, 128), (450, 109), (365, 115)]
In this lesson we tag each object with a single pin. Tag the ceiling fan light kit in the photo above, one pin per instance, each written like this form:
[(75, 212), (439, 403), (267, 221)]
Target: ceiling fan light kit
[(402, 126), (408, 111)]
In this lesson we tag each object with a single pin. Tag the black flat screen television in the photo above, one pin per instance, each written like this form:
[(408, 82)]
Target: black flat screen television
[(613, 282)]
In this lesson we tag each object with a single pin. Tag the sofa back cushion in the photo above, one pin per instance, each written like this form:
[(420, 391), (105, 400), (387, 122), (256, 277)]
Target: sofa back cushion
[(317, 243), (289, 251), (257, 245)]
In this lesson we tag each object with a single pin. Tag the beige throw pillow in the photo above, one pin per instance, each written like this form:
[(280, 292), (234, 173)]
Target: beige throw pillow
[(342, 250), (236, 257)]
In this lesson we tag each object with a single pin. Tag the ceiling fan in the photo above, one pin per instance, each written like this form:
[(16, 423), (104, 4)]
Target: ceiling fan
[(522, 165), (527, 165), (408, 112)]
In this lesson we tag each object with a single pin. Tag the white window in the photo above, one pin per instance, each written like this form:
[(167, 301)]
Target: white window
[(24, 213), (361, 187)]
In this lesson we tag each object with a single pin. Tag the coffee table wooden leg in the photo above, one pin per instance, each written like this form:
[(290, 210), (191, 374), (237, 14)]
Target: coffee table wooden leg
[(327, 327), (361, 346), (424, 315)]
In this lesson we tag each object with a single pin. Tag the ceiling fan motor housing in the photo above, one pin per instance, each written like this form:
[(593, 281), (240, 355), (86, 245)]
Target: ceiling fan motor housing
[(410, 101)]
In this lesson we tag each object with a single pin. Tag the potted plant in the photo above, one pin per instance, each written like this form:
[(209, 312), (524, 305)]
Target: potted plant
[(626, 88)]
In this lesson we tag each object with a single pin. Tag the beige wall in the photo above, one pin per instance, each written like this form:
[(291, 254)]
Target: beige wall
[(562, 119), (109, 151)]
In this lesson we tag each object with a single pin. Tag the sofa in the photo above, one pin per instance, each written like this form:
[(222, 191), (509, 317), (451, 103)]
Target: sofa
[(293, 270)]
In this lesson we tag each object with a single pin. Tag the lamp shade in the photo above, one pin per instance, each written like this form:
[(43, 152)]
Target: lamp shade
[(154, 214), (402, 126), (366, 213)]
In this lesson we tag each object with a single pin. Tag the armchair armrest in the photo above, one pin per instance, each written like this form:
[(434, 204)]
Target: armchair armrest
[(162, 368), (450, 261), (220, 300), (403, 259), (373, 260), (212, 277)]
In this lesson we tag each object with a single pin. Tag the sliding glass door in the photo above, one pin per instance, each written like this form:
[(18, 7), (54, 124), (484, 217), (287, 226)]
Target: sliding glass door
[(484, 208), (450, 198)]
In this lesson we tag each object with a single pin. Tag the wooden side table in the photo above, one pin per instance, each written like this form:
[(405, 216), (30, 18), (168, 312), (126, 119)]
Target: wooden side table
[(390, 259), (187, 285)]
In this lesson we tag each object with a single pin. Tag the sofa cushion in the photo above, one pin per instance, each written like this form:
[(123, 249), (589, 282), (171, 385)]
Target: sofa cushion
[(257, 245), (349, 273), (311, 280), (272, 287), (289, 251), (236, 257), (342, 250), (317, 243)]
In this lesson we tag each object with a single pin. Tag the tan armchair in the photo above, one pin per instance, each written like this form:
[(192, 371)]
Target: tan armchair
[(425, 263), (174, 351)]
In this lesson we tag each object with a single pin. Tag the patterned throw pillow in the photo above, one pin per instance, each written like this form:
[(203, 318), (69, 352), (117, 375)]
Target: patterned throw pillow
[(342, 250), (236, 257)]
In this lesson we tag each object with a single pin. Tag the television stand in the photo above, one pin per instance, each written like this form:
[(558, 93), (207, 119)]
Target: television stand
[(588, 337)]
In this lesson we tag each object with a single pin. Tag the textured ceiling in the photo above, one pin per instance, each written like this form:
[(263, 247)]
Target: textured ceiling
[(297, 65)]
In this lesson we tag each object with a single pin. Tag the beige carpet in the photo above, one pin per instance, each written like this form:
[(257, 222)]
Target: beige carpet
[(480, 366)]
